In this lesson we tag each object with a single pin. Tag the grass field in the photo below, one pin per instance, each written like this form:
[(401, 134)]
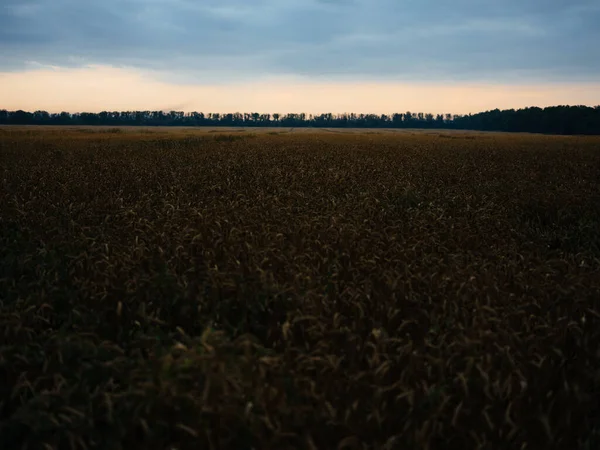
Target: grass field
[(272, 289)]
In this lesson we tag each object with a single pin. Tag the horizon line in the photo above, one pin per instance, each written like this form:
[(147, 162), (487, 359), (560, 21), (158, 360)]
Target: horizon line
[(167, 110)]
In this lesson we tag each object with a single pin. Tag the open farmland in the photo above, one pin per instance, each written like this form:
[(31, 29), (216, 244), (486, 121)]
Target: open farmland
[(194, 289)]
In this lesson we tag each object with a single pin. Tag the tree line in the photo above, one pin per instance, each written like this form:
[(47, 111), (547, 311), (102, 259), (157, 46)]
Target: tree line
[(551, 120)]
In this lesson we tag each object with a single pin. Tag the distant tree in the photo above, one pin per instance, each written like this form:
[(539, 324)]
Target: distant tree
[(556, 119), (64, 118), (429, 119), (39, 117)]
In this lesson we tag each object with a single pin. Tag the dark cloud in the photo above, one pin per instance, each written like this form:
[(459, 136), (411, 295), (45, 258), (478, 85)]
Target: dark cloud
[(433, 39)]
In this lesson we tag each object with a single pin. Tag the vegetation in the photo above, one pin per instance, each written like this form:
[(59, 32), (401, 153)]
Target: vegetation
[(303, 290), (567, 120)]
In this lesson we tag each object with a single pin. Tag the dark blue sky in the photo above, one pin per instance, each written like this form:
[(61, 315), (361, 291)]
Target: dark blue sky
[(493, 41)]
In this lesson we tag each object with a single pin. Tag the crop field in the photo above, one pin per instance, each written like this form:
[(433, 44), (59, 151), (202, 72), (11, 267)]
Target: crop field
[(273, 289)]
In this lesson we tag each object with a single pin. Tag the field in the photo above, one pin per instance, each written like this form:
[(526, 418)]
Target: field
[(273, 289)]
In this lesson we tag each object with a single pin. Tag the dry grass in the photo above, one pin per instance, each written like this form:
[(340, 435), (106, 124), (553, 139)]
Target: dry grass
[(188, 290)]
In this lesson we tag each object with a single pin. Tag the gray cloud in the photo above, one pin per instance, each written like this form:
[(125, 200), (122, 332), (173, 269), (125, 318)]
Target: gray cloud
[(380, 39)]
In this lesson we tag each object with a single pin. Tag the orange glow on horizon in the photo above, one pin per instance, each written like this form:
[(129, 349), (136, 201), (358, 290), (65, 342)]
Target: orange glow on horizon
[(101, 88)]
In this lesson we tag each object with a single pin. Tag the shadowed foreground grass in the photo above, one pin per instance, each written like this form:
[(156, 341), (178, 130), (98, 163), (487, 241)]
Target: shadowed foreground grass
[(316, 290)]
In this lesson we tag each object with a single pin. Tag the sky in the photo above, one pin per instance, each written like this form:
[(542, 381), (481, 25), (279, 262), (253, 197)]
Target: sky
[(372, 56)]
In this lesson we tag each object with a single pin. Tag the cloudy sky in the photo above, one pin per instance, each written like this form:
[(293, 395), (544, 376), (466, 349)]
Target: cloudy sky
[(298, 55)]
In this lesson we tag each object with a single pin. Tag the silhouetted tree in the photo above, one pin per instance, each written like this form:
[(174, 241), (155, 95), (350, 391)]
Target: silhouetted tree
[(555, 119)]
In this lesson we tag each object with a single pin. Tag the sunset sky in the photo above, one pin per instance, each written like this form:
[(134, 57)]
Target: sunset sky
[(310, 56)]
